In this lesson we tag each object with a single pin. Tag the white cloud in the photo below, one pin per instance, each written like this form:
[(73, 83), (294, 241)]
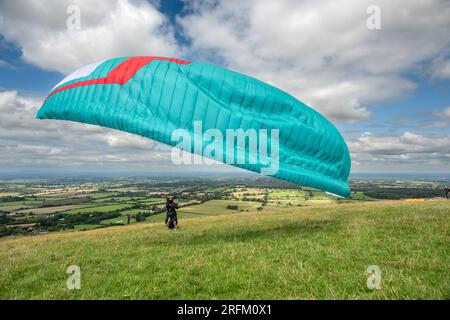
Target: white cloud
[(123, 139), (408, 151), (321, 51), (109, 28), (5, 64), (445, 113), (407, 143), (440, 69), (442, 119)]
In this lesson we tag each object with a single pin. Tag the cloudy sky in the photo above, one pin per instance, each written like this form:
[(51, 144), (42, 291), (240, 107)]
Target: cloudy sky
[(387, 89)]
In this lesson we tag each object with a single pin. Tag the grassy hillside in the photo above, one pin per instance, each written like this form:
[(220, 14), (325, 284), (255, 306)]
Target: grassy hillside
[(294, 253)]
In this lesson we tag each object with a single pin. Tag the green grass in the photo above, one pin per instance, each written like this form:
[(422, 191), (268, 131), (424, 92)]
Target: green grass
[(86, 226), (160, 217), (280, 253), (118, 220)]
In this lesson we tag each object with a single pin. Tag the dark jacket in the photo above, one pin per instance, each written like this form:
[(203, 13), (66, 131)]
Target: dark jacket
[(446, 192), (171, 210)]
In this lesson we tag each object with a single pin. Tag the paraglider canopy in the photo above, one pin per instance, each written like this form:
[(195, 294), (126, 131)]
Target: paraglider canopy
[(210, 111)]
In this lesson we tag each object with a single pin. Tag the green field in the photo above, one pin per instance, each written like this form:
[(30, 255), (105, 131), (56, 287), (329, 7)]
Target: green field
[(9, 194), (19, 203), (279, 253), (104, 208), (151, 201), (120, 199), (99, 195), (285, 194), (132, 211), (215, 207), (49, 210)]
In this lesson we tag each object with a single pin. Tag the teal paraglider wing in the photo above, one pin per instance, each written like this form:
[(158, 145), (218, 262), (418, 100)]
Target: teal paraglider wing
[(155, 96)]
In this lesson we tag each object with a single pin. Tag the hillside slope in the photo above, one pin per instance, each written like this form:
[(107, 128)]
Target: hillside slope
[(296, 253)]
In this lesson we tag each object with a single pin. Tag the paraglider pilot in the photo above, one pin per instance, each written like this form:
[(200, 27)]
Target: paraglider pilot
[(171, 213)]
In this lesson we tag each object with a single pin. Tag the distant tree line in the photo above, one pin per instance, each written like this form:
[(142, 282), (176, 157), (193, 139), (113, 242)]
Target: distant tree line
[(55, 222), (400, 193), (11, 199)]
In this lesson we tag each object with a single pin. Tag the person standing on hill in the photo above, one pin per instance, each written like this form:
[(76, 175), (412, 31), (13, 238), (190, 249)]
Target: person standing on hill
[(446, 192), (171, 213)]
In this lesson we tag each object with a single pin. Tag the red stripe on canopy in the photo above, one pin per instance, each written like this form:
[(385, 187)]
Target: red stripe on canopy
[(119, 74)]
